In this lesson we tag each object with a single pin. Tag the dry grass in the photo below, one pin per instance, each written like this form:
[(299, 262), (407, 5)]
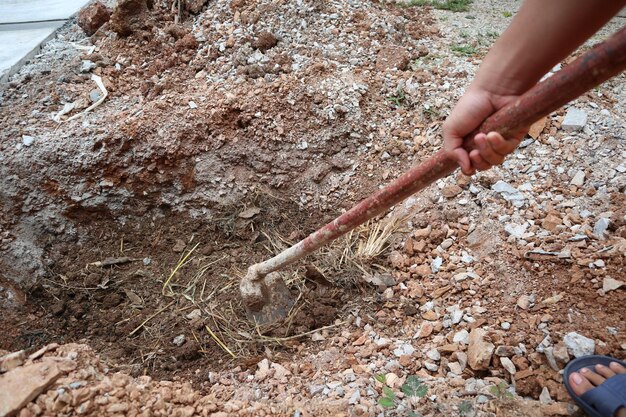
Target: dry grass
[(194, 284)]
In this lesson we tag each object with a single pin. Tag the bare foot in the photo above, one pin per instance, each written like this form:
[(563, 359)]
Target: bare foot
[(586, 379)]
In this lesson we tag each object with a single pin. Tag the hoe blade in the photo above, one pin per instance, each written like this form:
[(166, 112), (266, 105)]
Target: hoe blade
[(278, 301)]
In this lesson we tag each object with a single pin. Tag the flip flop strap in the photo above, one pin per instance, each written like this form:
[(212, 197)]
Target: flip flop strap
[(608, 397)]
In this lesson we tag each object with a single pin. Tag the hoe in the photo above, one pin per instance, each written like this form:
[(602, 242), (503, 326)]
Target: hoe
[(265, 295)]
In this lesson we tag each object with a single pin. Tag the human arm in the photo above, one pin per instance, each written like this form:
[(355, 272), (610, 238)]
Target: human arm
[(541, 35)]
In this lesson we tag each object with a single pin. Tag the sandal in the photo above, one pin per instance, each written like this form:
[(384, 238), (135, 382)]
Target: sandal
[(603, 400)]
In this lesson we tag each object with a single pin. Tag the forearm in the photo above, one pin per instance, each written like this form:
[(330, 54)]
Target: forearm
[(542, 33)]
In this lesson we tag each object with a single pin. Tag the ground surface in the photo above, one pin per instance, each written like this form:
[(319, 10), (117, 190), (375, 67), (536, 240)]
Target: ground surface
[(242, 129)]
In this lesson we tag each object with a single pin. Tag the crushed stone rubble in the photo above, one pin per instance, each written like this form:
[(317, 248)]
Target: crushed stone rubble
[(497, 283)]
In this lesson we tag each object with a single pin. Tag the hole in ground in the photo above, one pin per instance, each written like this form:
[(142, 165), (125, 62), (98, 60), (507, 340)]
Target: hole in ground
[(136, 324)]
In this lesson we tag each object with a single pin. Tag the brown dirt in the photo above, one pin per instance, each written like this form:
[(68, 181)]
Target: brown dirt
[(103, 305)]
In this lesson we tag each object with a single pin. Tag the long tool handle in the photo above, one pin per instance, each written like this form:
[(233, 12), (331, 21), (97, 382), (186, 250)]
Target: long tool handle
[(604, 61)]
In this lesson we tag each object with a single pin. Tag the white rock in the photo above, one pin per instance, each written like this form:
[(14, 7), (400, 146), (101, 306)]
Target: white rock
[(27, 140), (355, 397), (457, 316), (195, 313), (575, 119), (578, 179), (600, 228), (578, 345), (455, 368), (432, 367), (508, 365), (179, 340), (505, 325), (436, 264), (610, 284), (434, 355), (461, 336), (544, 397), (509, 193), (87, 66), (404, 349), (516, 230), (192, 105)]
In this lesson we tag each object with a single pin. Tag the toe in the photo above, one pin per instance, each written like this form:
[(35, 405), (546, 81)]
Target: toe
[(594, 378), (579, 384), (617, 368), (604, 371)]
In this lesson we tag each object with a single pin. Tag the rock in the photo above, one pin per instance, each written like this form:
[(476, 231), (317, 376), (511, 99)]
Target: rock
[(600, 228), (355, 397), (551, 222), (560, 353), (128, 15), (450, 191), (610, 284), (12, 360), (509, 193), (179, 246), (575, 120), (544, 397), (556, 409), (280, 371), (265, 41), (508, 365), (523, 302), (392, 57), (179, 340), (87, 66), (426, 329), (95, 95), (317, 337), (455, 368), (579, 179), (461, 336), (21, 385), (195, 314), (434, 355), (92, 17), (436, 264), (505, 325), (432, 367), (404, 349), (457, 316), (515, 230), (316, 389), (537, 127), (578, 345), (549, 352), (27, 140), (479, 350), (462, 359), (430, 315)]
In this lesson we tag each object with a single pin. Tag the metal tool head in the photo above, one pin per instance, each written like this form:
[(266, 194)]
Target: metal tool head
[(266, 298)]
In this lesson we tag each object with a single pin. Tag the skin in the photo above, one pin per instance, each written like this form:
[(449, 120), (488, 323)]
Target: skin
[(541, 35), (587, 379)]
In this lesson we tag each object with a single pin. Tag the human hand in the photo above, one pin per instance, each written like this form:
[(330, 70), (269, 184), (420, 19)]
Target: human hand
[(472, 109)]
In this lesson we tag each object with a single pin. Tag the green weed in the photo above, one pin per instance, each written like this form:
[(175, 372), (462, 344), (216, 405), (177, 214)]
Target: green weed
[(465, 408), (397, 99), (464, 50), (500, 391), (507, 14), (452, 5)]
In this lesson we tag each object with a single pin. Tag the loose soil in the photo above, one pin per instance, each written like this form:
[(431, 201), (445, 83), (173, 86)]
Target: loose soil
[(236, 132)]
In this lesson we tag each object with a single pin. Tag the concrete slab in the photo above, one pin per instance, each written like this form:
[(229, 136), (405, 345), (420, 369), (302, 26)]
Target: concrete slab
[(20, 42), (18, 11)]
